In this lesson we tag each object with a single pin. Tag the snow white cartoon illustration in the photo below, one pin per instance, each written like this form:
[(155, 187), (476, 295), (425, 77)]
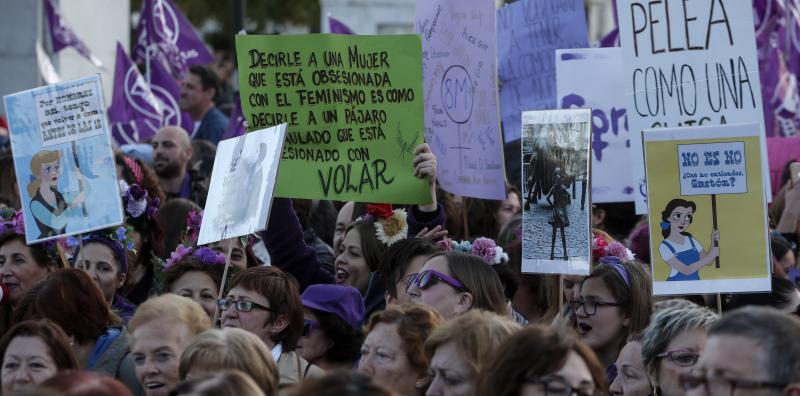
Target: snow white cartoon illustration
[(684, 254), (50, 207)]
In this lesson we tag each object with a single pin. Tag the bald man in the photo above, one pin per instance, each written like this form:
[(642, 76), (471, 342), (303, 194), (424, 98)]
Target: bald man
[(172, 150)]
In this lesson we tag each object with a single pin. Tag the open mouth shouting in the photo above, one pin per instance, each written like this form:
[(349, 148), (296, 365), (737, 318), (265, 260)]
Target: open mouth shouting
[(341, 275)]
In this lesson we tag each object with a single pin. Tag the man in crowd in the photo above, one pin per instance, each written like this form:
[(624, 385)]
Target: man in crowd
[(197, 98), (172, 150), (750, 351)]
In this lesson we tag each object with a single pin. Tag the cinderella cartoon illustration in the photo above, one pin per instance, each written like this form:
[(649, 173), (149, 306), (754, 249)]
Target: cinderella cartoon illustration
[(50, 207), (684, 254)]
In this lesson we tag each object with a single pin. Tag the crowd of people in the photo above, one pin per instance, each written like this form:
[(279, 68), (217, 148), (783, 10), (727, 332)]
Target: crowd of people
[(351, 298)]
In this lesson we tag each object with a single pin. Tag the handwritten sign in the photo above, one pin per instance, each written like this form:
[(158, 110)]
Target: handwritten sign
[(591, 78), (528, 34), (353, 105), (706, 204), (69, 112), (462, 124), (63, 159), (688, 63)]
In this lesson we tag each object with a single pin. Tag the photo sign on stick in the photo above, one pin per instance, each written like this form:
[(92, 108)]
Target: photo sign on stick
[(556, 195), (707, 212), (688, 63), (462, 124), (63, 159), (591, 78), (528, 34), (353, 105), (242, 182)]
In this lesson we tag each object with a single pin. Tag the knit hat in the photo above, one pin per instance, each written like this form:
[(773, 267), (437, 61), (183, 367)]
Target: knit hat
[(342, 301)]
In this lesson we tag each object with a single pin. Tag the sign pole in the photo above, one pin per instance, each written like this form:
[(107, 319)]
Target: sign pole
[(714, 220), (222, 284)]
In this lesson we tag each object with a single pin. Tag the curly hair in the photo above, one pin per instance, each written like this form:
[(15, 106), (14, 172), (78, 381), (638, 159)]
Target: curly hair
[(415, 323)]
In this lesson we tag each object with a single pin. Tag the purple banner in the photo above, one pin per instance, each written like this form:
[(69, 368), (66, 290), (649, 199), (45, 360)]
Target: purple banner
[(237, 126), (338, 27), (135, 113), (168, 92), (62, 36)]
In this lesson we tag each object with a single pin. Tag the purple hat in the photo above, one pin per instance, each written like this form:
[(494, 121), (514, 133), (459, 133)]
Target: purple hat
[(342, 301)]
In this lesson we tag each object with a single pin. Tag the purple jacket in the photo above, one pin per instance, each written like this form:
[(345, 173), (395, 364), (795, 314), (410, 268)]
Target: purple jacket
[(289, 252)]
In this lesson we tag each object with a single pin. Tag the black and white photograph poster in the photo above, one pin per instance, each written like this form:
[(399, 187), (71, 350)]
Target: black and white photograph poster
[(556, 191)]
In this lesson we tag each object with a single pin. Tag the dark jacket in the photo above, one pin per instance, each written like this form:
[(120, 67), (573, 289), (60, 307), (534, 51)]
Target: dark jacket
[(212, 127)]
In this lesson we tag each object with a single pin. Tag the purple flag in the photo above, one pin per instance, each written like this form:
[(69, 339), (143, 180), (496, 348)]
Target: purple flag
[(338, 27), (165, 32), (236, 124), (168, 92), (135, 113), (62, 36)]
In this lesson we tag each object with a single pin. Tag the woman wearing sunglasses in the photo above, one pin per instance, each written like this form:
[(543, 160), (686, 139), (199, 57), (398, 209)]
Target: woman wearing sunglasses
[(331, 335), (454, 282), (672, 344)]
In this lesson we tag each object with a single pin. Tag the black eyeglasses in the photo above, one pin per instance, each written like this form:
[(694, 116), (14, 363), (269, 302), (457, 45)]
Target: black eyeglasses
[(717, 385), (681, 357), (241, 305), (557, 387), (309, 326), (590, 306)]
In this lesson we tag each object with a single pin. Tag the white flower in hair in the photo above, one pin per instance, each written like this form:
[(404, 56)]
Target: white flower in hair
[(390, 225)]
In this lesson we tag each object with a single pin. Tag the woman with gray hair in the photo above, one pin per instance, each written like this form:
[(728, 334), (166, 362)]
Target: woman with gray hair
[(672, 343)]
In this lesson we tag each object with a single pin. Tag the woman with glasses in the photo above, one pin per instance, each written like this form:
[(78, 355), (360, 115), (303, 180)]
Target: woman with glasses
[(160, 331), (266, 302), (393, 352), (454, 282), (632, 378), (331, 335), (539, 361), (614, 301), (672, 344)]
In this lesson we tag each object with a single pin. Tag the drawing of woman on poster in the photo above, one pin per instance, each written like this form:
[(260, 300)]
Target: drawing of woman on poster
[(684, 254), (50, 207), (559, 199)]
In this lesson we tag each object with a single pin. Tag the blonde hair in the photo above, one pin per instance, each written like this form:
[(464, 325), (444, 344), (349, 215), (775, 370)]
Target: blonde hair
[(40, 158), (477, 335), (172, 307), (232, 348)]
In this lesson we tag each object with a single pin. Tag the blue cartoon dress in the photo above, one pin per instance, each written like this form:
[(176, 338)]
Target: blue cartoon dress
[(52, 220), (687, 253)]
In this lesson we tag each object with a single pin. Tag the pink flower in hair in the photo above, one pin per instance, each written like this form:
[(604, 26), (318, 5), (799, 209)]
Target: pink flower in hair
[(485, 249)]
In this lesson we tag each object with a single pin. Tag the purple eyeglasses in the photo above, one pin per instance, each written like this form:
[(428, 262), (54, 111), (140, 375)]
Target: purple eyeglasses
[(428, 278)]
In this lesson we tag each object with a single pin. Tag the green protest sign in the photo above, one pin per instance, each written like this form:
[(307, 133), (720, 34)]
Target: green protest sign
[(354, 110)]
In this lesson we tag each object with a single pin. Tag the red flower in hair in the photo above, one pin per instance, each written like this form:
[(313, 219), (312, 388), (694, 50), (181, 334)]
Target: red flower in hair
[(381, 211)]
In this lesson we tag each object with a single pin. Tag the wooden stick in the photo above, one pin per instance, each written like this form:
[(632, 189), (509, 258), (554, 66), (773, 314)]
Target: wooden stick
[(222, 284), (719, 303), (560, 293)]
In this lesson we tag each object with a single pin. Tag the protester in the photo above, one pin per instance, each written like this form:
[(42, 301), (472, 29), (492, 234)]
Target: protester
[(614, 301), (216, 350), (266, 302), (672, 343), (460, 348), (172, 150), (748, 352), (454, 282), (181, 219), (103, 256), (331, 335), (242, 255), (540, 360), (195, 273), (197, 98), (32, 352), (72, 300), (485, 217), (784, 297), (82, 383), (224, 383), (341, 383), (9, 189), (632, 378), (393, 352), (160, 331), (403, 259)]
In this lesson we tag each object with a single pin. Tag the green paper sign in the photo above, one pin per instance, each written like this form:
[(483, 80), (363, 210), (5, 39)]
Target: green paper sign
[(354, 109)]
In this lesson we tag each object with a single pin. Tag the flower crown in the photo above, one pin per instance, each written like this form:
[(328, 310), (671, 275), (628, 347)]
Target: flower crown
[(205, 255), (484, 248), (136, 201), (390, 225), (193, 222), (604, 252), (120, 234), (12, 221)]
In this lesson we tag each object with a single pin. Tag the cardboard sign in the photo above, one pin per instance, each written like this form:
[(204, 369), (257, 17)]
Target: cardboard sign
[(462, 124), (591, 78), (242, 182), (528, 34), (557, 201), (63, 159), (688, 64), (708, 226), (353, 105)]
